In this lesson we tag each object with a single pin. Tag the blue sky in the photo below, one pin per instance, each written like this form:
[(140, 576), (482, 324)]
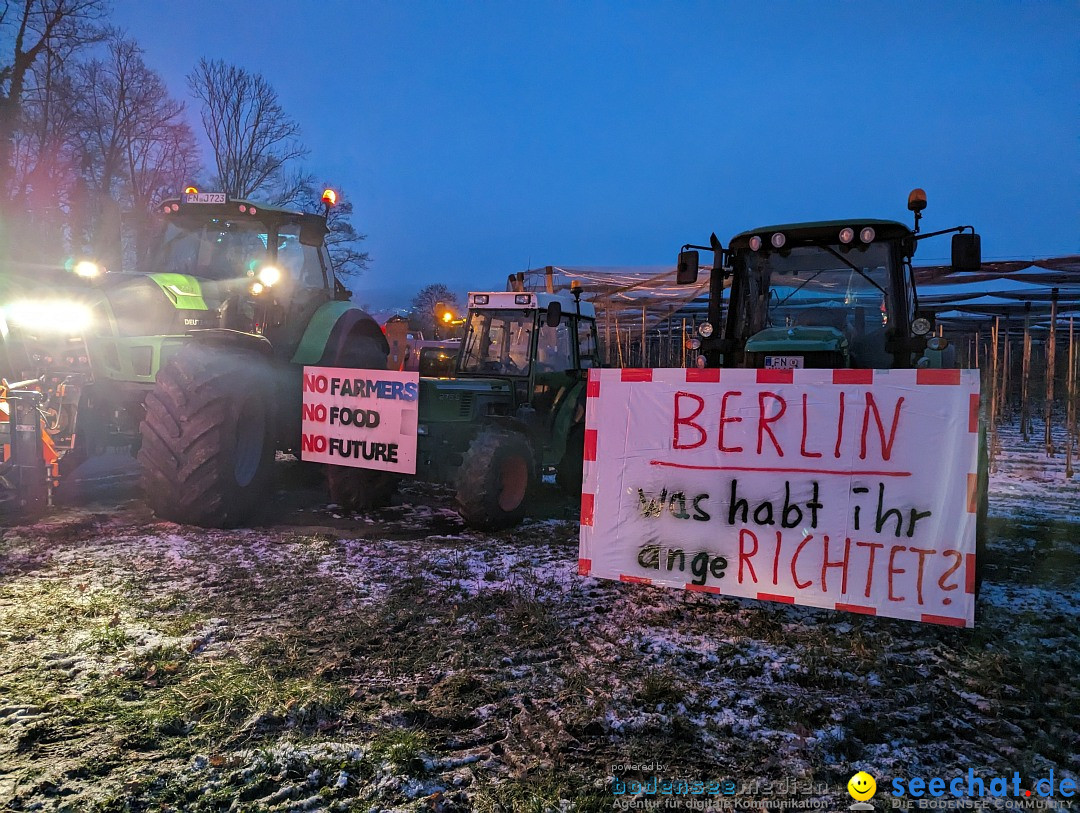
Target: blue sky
[(476, 139)]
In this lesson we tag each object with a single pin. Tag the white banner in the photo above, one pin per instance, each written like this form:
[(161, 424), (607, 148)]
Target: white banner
[(847, 489), (361, 418)]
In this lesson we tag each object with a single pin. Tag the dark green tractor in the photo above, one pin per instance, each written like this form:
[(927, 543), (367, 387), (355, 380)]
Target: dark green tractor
[(828, 294), (200, 357), (514, 406)]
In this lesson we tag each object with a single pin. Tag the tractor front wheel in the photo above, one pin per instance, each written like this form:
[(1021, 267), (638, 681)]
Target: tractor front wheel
[(207, 448), (497, 473)]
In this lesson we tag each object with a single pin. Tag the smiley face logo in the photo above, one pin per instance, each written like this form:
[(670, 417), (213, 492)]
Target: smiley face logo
[(862, 786)]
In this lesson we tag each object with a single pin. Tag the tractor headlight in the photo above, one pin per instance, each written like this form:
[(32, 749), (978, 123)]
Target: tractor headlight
[(270, 275), (921, 326), (49, 316), (705, 330), (87, 269), (937, 343)]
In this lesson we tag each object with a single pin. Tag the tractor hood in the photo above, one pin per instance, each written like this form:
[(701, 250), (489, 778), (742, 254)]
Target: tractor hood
[(463, 399), (184, 291), (797, 339), (163, 304)]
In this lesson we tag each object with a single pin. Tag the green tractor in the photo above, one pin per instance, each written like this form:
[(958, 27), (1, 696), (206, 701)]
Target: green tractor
[(513, 408), (196, 361), (253, 298), (828, 294)]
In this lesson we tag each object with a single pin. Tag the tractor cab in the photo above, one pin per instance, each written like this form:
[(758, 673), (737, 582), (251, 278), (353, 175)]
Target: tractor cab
[(829, 294), (226, 263), (522, 335), (517, 394)]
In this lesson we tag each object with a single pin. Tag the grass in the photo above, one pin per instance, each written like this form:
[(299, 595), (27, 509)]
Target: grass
[(424, 669), (231, 699)]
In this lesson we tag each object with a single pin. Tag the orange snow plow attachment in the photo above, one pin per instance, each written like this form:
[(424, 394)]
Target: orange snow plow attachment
[(29, 463)]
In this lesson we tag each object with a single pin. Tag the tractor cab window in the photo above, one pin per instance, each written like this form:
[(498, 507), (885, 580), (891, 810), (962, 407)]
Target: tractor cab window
[(299, 262), (219, 249), (588, 352), (553, 348), (498, 342), (846, 289)]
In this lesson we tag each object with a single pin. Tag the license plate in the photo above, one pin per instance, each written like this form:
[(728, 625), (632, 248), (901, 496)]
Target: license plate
[(204, 197), (783, 362)]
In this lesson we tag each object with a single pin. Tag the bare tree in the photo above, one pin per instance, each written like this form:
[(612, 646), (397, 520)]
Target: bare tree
[(135, 145), (31, 30), (42, 196), (424, 304), (253, 139)]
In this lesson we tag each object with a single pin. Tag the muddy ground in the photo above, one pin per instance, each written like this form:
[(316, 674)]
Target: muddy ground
[(397, 661)]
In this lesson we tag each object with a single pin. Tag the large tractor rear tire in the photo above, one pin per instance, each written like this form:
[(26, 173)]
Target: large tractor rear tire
[(496, 474), (207, 437), (352, 488)]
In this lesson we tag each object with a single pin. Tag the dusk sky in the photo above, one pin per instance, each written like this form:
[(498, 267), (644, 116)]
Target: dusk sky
[(478, 139)]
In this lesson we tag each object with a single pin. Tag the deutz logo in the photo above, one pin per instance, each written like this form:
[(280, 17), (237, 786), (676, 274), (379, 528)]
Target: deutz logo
[(192, 322)]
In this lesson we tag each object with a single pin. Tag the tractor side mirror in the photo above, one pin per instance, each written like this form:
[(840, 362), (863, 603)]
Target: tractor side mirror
[(312, 231), (966, 252), (554, 314), (687, 270)]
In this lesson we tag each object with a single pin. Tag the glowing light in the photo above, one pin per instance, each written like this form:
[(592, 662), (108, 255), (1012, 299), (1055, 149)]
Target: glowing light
[(447, 317), (87, 269), (191, 190), (49, 316), (257, 288), (270, 275), (329, 197)]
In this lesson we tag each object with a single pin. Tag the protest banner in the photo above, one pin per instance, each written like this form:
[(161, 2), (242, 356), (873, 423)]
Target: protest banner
[(847, 489), (361, 418)]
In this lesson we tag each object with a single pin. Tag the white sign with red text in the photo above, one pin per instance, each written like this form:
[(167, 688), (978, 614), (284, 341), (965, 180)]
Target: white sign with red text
[(361, 418), (847, 489)]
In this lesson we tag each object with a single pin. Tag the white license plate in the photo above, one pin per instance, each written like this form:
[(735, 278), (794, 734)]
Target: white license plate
[(204, 197), (783, 362)]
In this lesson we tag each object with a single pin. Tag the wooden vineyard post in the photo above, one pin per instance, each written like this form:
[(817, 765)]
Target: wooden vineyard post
[(1051, 371), (992, 372), (684, 341), (1025, 375), (1070, 405), (607, 332), (1006, 368), (618, 339), (645, 337)]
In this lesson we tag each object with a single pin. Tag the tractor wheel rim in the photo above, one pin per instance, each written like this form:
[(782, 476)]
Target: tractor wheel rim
[(250, 436), (513, 482)]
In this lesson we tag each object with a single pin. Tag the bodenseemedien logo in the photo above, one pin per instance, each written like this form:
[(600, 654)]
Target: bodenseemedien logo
[(862, 788)]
